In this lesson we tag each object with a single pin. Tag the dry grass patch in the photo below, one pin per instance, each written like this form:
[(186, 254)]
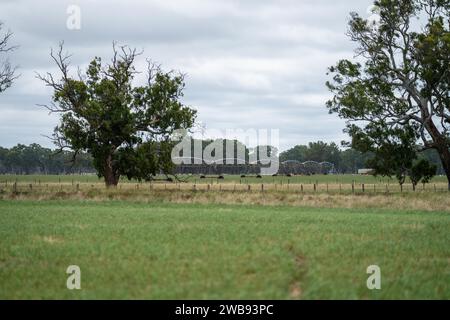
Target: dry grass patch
[(424, 201)]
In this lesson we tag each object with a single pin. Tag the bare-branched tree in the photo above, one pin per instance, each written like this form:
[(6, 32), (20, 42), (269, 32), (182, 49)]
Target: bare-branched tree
[(7, 71)]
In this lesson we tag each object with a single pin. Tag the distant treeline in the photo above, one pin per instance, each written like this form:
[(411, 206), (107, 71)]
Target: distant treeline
[(35, 159), (345, 161)]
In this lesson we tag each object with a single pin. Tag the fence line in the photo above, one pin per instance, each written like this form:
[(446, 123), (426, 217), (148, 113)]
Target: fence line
[(326, 188)]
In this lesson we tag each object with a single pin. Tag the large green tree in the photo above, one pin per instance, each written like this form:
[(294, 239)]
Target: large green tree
[(399, 82), (125, 127)]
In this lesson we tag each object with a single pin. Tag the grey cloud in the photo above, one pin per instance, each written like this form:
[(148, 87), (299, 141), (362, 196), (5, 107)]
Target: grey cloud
[(250, 64)]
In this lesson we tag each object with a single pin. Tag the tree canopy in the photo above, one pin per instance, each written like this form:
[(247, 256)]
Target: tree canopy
[(396, 92), (126, 128)]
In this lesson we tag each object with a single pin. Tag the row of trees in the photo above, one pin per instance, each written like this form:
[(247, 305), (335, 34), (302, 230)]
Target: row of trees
[(345, 161), (350, 160), (34, 159)]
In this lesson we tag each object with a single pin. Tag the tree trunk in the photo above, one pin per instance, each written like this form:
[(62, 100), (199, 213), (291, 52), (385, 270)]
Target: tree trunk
[(444, 155), (110, 173), (442, 148)]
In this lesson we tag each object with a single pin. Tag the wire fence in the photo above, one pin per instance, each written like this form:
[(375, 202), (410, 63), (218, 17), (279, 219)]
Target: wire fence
[(204, 186)]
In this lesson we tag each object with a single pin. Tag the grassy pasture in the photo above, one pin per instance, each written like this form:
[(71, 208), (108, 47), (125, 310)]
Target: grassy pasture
[(284, 238), (193, 251), (320, 179), (342, 184), (218, 194)]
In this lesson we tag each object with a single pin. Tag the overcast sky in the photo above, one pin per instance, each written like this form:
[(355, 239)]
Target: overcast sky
[(250, 64)]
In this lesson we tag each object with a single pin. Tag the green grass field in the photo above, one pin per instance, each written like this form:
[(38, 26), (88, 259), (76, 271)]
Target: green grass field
[(330, 184), (192, 251), (344, 179)]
